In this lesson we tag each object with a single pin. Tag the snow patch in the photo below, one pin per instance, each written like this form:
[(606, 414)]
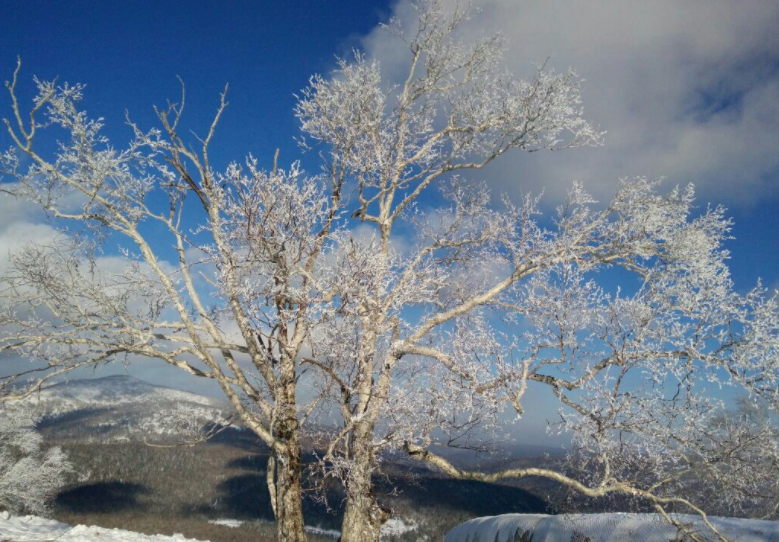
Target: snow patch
[(232, 523), (615, 527), (30, 528), (393, 527), (323, 532), (36, 529), (397, 527)]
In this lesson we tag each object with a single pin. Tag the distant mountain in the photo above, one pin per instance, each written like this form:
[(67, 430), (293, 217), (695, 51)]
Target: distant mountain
[(120, 409), (112, 391)]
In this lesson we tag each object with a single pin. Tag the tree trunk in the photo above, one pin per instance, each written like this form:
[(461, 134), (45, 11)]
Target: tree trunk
[(284, 483), (289, 499), (363, 516)]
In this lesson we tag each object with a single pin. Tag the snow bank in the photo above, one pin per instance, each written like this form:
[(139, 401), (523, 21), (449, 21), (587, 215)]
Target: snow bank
[(35, 529), (606, 528), (29, 528)]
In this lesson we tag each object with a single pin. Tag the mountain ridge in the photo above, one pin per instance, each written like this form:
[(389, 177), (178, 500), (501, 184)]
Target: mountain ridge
[(121, 408)]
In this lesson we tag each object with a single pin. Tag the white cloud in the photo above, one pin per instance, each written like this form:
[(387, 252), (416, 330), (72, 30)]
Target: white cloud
[(17, 235), (686, 90), (14, 210)]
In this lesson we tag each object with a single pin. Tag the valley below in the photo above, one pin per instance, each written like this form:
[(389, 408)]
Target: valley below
[(159, 461), (135, 470)]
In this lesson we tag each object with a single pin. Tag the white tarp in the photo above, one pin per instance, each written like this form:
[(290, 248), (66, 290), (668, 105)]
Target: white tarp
[(606, 528)]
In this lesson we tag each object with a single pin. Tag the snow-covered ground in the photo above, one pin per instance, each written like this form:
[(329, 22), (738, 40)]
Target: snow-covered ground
[(235, 523), (35, 529), (393, 527), (606, 528)]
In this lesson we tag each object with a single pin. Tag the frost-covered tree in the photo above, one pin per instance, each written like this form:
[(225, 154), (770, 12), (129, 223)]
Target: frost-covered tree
[(230, 301), (446, 314), (392, 293), (29, 475)]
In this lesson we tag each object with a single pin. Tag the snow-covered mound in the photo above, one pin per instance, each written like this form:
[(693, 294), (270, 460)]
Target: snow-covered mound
[(35, 529), (606, 528), (120, 408)]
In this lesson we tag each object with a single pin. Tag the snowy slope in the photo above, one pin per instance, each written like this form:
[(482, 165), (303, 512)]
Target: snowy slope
[(111, 391), (120, 408), (606, 528), (35, 529)]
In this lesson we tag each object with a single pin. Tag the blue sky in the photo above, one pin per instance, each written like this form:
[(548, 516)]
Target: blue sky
[(686, 90), (692, 78), (129, 54)]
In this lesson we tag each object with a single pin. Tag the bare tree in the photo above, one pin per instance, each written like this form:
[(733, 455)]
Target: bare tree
[(29, 476), (437, 330)]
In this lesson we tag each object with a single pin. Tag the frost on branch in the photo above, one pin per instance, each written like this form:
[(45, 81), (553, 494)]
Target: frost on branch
[(410, 321), (456, 110), (216, 272), (440, 318), (643, 372), (29, 476), (487, 303)]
